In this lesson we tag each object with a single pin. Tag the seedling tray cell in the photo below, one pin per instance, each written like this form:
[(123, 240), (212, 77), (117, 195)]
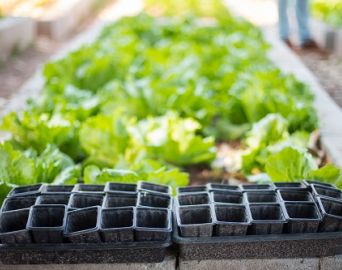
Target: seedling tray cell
[(58, 189), (308, 183), (216, 186), (54, 198), (13, 227), (191, 189), (47, 222), (261, 197), (117, 224), (15, 203), (195, 221), (154, 199), (266, 219), (30, 190), (231, 220), (112, 187), (290, 185), (193, 198), (83, 225), (82, 200), (303, 217), (329, 192), (152, 224), (88, 188), (332, 215), (226, 196), (257, 187), (120, 200), (147, 186), (295, 196)]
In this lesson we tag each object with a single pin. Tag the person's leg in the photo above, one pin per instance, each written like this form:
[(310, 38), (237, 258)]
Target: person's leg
[(283, 24), (302, 14)]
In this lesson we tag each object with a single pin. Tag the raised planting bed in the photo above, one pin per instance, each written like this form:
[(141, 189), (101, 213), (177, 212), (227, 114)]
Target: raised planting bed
[(56, 18), (286, 222), (52, 228), (16, 34)]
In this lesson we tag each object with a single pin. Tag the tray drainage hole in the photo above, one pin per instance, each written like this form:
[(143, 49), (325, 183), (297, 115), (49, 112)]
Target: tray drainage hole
[(195, 215), (85, 200), (120, 201), (117, 218), (152, 218), (53, 199), (295, 195), (122, 187), (154, 187), (81, 220), (332, 207), (154, 200), (266, 212), (231, 213), (14, 221), (307, 211), (261, 197), (193, 199), (47, 216), (227, 198), (18, 203)]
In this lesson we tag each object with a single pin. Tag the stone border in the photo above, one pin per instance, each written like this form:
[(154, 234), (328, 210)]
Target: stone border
[(327, 36), (59, 27), (16, 34)]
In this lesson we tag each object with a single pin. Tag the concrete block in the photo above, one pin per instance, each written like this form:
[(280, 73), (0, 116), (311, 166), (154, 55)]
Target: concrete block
[(331, 263), (16, 34), (169, 263), (252, 264), (75, 11)]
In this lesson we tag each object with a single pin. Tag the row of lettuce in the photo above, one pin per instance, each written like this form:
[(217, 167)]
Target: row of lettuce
[(329, 11), (152, 97)]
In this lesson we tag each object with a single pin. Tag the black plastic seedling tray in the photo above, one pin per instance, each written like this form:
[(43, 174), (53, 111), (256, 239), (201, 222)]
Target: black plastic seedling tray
[(119, 199), (147, 186), (15, 203), (31, 190), (83, 200), (291, 185), (99, 253), (113, 187), (226, 196), (226, 187), (88, 188), (192, 198), (154, 199), (303, 217), (286, 195), (268, 196), (191, 189), (328, 192), (54, 198), (47, 222), (331, 215), (58, 189), (256, 187), (306, 245)]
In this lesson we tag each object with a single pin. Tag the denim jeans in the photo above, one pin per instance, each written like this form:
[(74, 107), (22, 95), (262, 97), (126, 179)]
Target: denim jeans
[(302, 14)]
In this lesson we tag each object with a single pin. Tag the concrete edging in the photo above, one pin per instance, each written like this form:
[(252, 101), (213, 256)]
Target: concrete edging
[(327, 36), (16, 34)]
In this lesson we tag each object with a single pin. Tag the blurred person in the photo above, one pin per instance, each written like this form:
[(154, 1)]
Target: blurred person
[(302, 15)]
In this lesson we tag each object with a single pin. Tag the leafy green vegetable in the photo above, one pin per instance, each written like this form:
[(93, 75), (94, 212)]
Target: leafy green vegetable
[(329, 11), (293, 164)]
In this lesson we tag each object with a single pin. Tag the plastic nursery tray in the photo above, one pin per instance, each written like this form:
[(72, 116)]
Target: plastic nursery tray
[(85, 226), (226, 187), (279, 222), (328, 192)]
